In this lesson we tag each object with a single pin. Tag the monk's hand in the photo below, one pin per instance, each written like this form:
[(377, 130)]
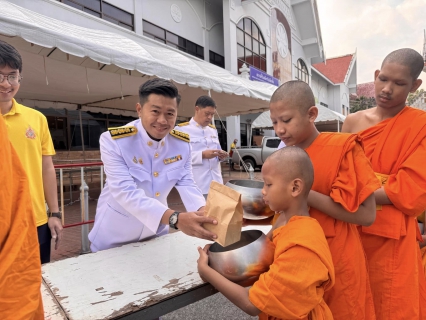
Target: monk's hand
[(210, 153), (191, 223), (55, 226), (203, 260)]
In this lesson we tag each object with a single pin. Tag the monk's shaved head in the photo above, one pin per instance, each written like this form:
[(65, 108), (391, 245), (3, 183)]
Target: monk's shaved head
[(406, 57), (291, 163), (296, 94)]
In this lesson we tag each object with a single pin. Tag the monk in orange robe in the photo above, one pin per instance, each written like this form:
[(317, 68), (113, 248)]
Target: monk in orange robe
[(342, 195), (302, 270), (394, 139), (20, 268)]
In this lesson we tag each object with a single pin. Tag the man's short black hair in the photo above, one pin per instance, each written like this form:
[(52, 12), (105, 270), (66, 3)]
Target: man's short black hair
[(158, 86), (10, 57), (204, 102)]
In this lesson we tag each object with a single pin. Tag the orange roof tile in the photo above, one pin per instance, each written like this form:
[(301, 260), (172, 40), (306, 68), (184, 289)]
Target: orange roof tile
[(335, 69)]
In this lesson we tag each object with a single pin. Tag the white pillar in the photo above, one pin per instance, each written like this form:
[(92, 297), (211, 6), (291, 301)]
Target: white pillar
[(233, 129)]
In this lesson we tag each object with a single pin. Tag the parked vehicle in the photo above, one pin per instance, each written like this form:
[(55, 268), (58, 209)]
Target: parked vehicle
[(255, 156)]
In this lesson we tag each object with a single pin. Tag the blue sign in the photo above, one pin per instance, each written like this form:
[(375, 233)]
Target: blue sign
[(257, 75)]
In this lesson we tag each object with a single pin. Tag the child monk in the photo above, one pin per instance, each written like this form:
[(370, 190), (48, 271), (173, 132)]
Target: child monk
[(302, 270), (394, 139), (341, 196)]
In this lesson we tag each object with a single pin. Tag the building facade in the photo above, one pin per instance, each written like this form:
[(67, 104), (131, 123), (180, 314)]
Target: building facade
[(278, 39), (333, 81)]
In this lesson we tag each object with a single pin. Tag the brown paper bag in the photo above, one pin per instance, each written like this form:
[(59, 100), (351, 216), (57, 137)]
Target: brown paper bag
[(224, 205)]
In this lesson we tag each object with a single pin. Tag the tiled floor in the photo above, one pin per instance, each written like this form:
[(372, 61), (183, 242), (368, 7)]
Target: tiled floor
[(71, 242)]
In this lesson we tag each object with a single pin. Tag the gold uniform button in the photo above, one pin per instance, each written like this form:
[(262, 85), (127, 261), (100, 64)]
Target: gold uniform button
[(155, 174), (150, 143), (162, 143), (157, 194), (156, 155)]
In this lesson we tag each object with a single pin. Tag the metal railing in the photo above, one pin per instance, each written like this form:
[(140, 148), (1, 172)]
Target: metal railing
[(70, 170)]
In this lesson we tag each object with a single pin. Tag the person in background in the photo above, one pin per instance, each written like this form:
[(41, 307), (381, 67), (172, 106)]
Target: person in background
[(143, 161), (20, 268), (206, 150), (302, 271), (29, 134), (233, 146)]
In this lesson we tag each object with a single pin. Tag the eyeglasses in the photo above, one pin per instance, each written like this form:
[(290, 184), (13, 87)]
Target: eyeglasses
[(13, 79)]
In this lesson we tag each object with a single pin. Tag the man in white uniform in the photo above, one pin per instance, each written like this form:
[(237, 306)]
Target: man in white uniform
[(206, 149), (143, 161)]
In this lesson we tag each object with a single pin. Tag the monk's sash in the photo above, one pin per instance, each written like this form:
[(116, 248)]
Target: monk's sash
[(327, 152), (389, 145)]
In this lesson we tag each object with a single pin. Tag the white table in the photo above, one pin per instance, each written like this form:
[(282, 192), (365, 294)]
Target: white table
[(142, 280)]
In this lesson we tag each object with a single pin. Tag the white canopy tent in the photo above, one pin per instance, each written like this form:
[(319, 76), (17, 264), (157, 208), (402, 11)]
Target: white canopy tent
[(66, 65), (327, 120)]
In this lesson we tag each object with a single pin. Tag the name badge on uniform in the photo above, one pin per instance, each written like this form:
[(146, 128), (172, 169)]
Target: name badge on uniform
[(172, 159)]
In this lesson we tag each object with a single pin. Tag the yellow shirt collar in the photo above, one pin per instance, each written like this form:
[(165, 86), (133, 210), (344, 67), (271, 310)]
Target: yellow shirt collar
[(16, 108)]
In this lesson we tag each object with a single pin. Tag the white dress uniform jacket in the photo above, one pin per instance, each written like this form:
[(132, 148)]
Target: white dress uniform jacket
[(203, 138), (281, 145), (140, 174)]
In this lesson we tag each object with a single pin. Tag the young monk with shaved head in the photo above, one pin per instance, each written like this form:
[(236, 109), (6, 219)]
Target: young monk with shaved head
[(342, 195), (394, 139), (302, 270)]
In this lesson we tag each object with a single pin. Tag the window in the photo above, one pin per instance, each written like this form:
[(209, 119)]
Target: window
[(66, 130), (217, 59), (161, 35), (58, 131), (104, 10), (251, 48), (243, 134), (302, 71), (273, 143)]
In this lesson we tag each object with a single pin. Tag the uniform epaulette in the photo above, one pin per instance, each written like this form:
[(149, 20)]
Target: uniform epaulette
[(212, 126), (180, 135), (121, 132), (183, 124)]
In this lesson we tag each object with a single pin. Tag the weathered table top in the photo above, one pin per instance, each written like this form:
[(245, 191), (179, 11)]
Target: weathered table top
[(115, 282)]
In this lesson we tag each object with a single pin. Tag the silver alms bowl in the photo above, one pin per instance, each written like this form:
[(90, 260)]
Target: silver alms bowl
[(251, 197), (249, 257)]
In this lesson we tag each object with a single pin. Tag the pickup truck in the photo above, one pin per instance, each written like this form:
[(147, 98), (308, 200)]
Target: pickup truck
[(255, 155)]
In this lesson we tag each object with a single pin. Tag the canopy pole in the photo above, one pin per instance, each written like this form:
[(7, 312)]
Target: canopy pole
[(81, 133), (338, 125), (210, 95)]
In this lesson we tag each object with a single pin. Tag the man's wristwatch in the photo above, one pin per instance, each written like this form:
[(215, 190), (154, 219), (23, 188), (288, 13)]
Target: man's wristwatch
[(55, 214), (173, 220)]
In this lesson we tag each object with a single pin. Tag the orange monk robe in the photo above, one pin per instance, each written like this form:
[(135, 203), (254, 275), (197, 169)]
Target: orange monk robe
[(396, 148), (343, 172), (20, 268), (302, 271)]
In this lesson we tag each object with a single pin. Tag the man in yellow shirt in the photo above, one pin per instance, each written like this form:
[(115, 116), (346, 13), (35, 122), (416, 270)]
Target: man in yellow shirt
[(29, 134)]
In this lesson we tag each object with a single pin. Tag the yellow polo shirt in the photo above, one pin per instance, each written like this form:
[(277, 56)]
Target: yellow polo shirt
[(29, 134)]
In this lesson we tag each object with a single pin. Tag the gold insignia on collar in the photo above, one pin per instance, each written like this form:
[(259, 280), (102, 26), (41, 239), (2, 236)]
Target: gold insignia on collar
[(212, 126), (140, 161), (135, 160), (180, 135), (183, 124), (121, 132), (172, 159)]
